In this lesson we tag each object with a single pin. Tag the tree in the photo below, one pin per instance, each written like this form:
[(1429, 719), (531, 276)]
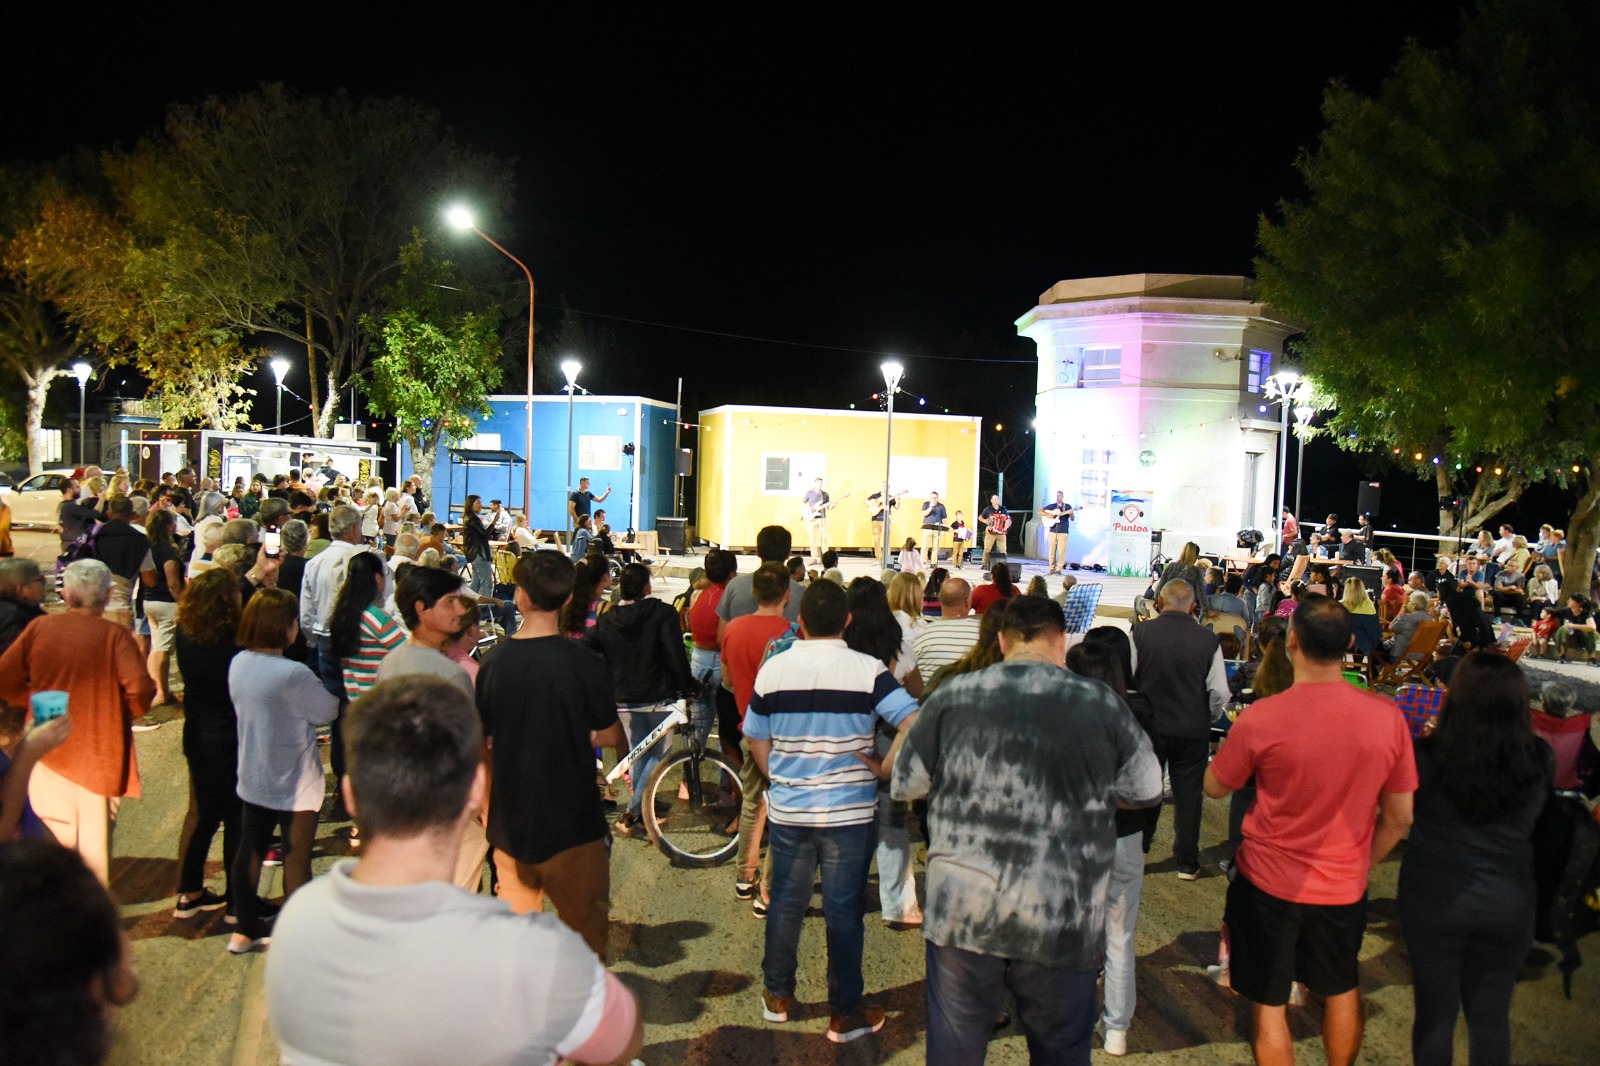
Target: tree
[(74, 254), (256, 211), (1007, 452), (1446, 264), (439, 350)]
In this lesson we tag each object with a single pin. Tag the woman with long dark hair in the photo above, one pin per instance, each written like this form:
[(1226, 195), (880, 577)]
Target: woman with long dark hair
[(930, 592), (1466, 883), (475, 536), (997, 589), (592, 578), (161, 599), (362, 631), (1106, 655), (208, 619), (875, 631)]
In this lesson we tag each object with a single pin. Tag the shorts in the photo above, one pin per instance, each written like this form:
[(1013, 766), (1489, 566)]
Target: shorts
[(163, 618), (1274, 943)]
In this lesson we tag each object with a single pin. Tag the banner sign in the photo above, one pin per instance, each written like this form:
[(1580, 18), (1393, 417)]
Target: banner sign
[(1129, 540)]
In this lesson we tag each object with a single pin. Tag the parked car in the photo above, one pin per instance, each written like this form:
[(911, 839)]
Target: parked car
[(37, 501)]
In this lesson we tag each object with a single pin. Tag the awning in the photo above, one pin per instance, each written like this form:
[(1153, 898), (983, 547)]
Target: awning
[(484, 455)]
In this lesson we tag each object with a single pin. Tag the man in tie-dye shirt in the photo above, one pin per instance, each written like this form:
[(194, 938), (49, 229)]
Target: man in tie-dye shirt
[(1031, 763)]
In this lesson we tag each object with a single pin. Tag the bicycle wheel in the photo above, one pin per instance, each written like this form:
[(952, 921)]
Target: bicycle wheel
[(702, 797)]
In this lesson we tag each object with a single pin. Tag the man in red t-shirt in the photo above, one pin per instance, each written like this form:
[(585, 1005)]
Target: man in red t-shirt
[(1325, 755), (744, 642)]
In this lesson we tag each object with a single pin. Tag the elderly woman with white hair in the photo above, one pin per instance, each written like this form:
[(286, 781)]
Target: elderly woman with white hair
[(77, 788), (211, 509)]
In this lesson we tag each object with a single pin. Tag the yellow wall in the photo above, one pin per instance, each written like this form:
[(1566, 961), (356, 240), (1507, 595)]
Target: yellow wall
[(735, 440)]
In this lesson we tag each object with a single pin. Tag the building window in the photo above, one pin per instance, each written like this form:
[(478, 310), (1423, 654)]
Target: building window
[(1094, 478), (1102, 368), (487, 442), (1259, 369), (789, 473), (599, 453)]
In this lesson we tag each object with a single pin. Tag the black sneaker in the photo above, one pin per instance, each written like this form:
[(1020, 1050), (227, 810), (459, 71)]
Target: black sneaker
[(206, 900), (1188, 872), (745, 890), (630, 826)]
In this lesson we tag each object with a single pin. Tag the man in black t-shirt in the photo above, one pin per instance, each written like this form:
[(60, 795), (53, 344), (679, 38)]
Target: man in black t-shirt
[(1577, 628), (1057, 517), (933, 514), (882, 520), (547, 703), (579, 503)]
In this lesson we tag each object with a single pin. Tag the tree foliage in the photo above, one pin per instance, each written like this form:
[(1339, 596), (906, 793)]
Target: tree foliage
[(1446, 263), (438, 344), (254, 211)]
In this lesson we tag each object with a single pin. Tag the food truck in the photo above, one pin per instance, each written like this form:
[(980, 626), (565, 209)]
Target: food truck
[(226, 456)]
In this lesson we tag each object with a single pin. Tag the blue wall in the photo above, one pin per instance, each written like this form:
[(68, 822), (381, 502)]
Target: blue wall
[(647, 424)]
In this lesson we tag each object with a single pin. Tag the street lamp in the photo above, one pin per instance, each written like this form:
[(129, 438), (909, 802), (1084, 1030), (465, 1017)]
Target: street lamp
[(1303, 413), (81, 371), (891, 384), (1283, 388), (280, 368), (570, 368), (461, 219)]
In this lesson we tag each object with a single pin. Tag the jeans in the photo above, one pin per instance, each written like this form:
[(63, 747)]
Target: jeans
[(705, 666), (638, 722), (1122, 914), (298, 831), (844, 852), (966, 991), (481, 577), (897, 884), (1185, 758), (331, 671)]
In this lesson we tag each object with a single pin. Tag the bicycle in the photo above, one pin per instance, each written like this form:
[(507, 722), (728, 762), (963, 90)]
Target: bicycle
[(690, 784)]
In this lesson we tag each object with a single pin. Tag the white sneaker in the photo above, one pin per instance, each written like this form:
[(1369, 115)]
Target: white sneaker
[(1116, 1042)]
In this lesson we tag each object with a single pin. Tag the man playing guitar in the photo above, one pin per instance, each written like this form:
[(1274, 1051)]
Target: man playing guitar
[(933, 516), (996, 521), (1057, 516), (881, 517), (816, 505)]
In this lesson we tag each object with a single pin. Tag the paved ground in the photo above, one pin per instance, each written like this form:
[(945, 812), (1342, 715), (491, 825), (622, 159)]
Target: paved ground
[(692, 953)]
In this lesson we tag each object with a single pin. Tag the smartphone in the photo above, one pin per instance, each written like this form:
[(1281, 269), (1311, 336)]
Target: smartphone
[(272, 540)]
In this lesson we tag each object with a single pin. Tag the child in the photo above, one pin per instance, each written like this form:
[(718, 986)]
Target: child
[(963, 540), (910, 557), (1544, 630)]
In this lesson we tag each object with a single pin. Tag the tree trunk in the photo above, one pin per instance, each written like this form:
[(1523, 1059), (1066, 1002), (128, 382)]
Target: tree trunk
[(1583, 537), (1486, 500), (423, 454), (38, 389), (1449, 520), (328, 413)]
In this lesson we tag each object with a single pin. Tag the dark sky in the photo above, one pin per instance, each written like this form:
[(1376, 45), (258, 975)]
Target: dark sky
[(894, 182)]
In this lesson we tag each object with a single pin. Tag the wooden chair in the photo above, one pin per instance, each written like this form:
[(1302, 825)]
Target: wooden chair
[(1409, 666), (649, 544)]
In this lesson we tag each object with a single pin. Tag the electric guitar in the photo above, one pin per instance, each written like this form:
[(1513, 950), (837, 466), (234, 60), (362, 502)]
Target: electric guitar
[(821, 511), (875, 506)]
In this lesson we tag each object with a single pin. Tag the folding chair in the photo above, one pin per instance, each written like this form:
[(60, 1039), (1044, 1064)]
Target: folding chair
[(1420, 704), (1079, 607), (1418, 656)]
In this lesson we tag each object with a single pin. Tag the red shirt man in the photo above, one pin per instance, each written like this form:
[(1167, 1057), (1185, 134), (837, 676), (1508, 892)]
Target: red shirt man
[(1325, 756), (745, 639)]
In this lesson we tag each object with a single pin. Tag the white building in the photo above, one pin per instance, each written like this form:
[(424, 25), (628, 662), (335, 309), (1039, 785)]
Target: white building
[(1154, 382)]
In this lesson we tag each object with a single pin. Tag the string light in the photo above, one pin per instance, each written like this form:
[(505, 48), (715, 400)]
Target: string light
[(1418, 457)]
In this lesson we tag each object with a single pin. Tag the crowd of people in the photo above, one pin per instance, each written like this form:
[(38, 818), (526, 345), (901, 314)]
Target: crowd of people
[(461, 718)]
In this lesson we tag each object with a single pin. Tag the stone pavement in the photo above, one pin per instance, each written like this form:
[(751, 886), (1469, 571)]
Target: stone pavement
[(692, 953)]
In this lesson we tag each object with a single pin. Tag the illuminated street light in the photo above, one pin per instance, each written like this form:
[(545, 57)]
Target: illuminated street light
[(280, 370), (81, 371), (460, 218), (570, 368)]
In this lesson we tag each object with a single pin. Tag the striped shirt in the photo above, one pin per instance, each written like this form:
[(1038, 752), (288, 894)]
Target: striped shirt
[(816, 703), (943, 641), (379, 636)]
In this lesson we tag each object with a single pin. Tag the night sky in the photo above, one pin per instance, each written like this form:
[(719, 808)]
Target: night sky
[(888, 183)]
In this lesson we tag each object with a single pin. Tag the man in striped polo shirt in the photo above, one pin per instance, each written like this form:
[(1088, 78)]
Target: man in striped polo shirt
[(951, 635), (810, 721)]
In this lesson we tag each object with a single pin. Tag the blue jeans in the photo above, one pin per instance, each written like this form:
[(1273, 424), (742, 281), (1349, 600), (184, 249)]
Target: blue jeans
[(844, 852), (638, 722), (705, 667), (1122, 913), (966, 992), (481, 577), (326, 665)]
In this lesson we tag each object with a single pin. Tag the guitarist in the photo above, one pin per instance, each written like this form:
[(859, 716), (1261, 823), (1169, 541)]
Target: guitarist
[(996, 521), (933, 516), (817, 503), (881, 517), (1057, 517)]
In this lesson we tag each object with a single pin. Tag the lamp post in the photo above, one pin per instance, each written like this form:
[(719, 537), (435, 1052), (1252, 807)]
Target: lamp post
[(81, 371), (460, 218), (570, 368), (1302, 417), (1281, 388), (280, 369), (891, 384)]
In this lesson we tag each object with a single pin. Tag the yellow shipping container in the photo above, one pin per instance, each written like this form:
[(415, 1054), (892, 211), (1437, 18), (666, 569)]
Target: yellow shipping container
[(755, 463)]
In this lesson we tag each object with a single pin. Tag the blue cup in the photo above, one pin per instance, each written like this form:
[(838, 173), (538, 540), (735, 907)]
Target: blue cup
[(48, 705)]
